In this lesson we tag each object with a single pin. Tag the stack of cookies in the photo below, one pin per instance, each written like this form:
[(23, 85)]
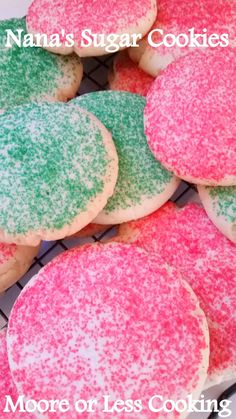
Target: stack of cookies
[(148, 312)]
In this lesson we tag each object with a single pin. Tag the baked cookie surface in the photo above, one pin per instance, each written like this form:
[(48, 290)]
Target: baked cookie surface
[(32, 74), (58, 168), (143, 184), (187, 240), (177, 17), (118, 322), (127, 76), (190, 117), (110, 18), (220, 205)]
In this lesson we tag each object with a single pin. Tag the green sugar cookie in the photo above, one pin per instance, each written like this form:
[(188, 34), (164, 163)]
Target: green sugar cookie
[(143, 183), (33, 74), (58, 166), (220, 205)]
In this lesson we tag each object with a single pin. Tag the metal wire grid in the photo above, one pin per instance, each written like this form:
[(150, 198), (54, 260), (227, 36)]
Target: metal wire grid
[(94, 79)]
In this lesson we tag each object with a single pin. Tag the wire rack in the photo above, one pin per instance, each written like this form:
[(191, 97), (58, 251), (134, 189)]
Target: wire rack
[(94, 79)]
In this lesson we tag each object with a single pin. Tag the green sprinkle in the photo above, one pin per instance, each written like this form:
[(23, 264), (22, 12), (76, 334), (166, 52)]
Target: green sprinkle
[(52, 165), (30, 74), (224, 201), (140, 174)]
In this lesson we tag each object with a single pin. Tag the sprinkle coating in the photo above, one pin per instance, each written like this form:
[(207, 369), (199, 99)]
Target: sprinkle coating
[(32, 74), (7, 387), (177, 17), (220, 205), (223, 201), (140, 177), (127, 76), (188, 241), (107, 332), (6, 252), (193, 132), (110, 17), (55, 165)]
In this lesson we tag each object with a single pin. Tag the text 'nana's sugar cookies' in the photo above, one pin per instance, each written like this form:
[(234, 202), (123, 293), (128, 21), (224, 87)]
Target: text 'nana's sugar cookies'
[(93, 26), (190, 117), (187, 240), (58, 167), (117, 322), (143, 184), (220, 205), (32, 74)]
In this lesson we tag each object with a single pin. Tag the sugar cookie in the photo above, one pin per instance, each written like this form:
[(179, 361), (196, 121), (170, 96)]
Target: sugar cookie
[(187, 240), (143, 184), (32, 74), (14, 262), (192, 131), (178, 17), (118, 322), (58, 168), (220, 205), (127, 76), (106, 21)]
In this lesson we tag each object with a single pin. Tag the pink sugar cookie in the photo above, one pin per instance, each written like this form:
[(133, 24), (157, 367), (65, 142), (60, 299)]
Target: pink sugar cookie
[(7, 387), (190, 117), (178, 17), (108, 319), (14, 262), (188, 241), (127, 76), (107, 22)]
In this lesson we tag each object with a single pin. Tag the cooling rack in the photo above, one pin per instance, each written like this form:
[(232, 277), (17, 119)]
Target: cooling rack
[(94, 79)]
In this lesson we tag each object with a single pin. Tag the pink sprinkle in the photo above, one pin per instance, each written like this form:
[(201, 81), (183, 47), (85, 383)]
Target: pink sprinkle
[(107, 319), (128, 76), (102, 17), (7, 251), (7, 387), (189, 241), (178, 16), (190, 117)]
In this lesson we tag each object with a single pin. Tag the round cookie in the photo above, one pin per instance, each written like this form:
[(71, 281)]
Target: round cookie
[(127, 76), (132, 331), (110, 19), (58, 168), (177, 17), (32, 74), (187, 240), (220, 205), (193, 129), (14, 263), (143, 184)]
